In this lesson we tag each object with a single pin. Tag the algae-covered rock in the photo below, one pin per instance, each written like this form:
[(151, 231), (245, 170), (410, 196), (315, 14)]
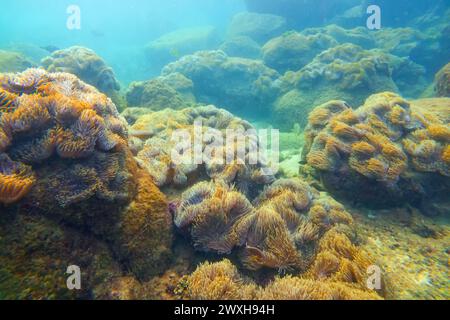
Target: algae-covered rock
[(171, 46), (442, 82), (157, 94), (244, 86), (241, 46), (345, 71), (11, 61), (359, 35), (35, 253), (85, 64), (259, 27), (293, 50)]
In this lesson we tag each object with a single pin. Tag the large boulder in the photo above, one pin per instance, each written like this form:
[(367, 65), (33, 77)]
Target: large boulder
[(11, 61), (244, 86), (171, 46), (292, 50), (259, 27)]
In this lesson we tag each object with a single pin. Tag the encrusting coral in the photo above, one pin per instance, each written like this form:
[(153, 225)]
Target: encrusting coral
[(64, 155), (388, 146), (174, 91)]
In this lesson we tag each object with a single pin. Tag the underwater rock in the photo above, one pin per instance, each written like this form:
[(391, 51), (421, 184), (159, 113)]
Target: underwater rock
[(385, 153), (251, 86), (301, 14), (172, 46), (293, 50), (401, 12), (156, 95), (346, 71), (359, 36), (35, 255), (156, 130), (88, 66), (259, 27), (442, 82), (65, 156), (241, 46), (85, 64), (11, 61)]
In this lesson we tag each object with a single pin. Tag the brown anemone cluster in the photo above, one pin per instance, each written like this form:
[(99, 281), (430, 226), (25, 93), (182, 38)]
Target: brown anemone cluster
[(64, 156), (289, 227), (191, 132), (222, 280), (51, 115), (388, 146)]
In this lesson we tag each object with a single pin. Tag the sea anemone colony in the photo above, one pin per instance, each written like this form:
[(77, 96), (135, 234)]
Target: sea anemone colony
[(64, 157), (388, 146)]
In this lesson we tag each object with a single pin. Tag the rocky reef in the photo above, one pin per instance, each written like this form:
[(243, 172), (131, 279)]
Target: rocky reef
[(241, 46), (65, 161), (259, 27), (251, 86), (173, 91), (345, 72), (293, 50), (387, 152), (86, 65), (11, 61)]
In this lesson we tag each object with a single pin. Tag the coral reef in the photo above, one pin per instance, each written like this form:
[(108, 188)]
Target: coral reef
[(292, 50), (157, 94), (386, 152), (250, 85), (156, 131), (171, 46), (259, 27), (88, 66), (345, 72), (11, 61), (241, 46), (442, 82), (65, 156)]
